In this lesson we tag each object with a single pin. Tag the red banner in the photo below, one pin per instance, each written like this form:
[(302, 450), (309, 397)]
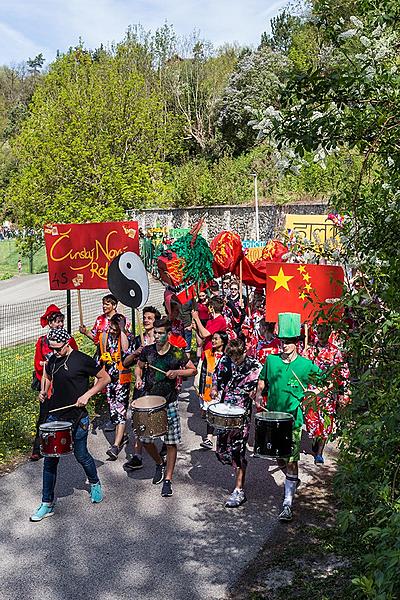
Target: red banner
[(302, 288), (78, 255)]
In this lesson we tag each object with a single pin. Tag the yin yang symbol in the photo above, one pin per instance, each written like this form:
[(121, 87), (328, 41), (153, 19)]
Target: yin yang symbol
[(127, 280)]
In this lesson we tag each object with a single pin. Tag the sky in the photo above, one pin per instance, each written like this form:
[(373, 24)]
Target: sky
[(30, 27)]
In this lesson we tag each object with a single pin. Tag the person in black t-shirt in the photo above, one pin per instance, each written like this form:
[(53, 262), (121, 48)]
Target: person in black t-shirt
[(68, 371), (174, 362)]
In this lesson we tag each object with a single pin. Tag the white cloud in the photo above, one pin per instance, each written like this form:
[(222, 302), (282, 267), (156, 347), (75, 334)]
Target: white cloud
[(11, 39), (48, 25)]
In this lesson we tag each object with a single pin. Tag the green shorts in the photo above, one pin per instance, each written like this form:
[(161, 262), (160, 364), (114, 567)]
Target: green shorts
[(296, 437)]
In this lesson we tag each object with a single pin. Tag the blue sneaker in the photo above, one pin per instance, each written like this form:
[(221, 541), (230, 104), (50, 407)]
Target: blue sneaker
[(96, 492), (319, 459), (46, 509)]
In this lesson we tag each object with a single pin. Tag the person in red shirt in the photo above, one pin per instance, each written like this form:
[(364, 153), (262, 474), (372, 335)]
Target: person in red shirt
[(54, 318), (216, 323)]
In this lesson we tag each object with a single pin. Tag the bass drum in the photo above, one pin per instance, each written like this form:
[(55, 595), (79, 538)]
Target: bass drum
[(149, 416), (273, 435)]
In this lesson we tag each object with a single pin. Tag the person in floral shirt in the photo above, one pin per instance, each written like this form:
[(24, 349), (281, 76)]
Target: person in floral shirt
[(240, 391), (319, 418), (114, 344)]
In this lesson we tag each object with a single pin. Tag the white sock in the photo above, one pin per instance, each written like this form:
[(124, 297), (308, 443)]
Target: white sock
[(290, 490)]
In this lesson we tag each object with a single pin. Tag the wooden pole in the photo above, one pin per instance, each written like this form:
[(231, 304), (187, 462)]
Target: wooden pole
[(241, 284), (69, 319), (80, 307), (139, 322)]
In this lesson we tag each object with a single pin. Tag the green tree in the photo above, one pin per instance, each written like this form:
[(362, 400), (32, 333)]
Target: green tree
[(349, 105), (256, 82), (96, 143)]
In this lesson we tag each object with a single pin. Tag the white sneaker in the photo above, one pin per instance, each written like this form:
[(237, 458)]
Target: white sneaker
[(286, 514), (237, 498)]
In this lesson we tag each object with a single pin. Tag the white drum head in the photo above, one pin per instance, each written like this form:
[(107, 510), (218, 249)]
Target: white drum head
[(55, 426), (148, 402), (226, 410)]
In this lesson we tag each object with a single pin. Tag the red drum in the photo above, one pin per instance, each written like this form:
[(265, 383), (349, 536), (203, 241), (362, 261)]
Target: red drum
[(56, 438)]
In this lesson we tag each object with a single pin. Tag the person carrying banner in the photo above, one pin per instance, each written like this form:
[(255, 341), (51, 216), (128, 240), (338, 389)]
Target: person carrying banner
[(284, 379), (113, 344), (68, 372)]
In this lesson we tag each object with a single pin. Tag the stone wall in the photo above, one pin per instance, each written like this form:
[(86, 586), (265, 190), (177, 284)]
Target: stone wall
[(240, 219)]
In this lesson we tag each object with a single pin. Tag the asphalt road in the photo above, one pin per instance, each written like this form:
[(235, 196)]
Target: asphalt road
[(136, 544)]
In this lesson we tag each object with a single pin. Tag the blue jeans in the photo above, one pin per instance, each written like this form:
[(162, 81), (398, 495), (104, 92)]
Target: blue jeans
[(188, 339), (82, 455)]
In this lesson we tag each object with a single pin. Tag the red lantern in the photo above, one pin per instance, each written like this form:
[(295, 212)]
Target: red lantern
[(227, 250), (273, 251)]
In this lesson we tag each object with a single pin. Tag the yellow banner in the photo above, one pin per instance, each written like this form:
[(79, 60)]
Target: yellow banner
[(312, 227)]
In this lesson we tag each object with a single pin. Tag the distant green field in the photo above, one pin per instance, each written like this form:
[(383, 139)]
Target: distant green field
[(9, 255)]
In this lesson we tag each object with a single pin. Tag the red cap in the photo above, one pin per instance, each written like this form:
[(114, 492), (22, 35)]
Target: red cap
[(44, 319)]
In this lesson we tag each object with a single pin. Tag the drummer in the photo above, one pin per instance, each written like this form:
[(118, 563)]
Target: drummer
[(170, 363), (239, 390), (68, 371), (284, 378)]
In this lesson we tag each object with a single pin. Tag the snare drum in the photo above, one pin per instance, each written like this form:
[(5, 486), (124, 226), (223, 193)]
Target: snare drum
[(225, 416), (56, 438), (149, 416), (273, 435)]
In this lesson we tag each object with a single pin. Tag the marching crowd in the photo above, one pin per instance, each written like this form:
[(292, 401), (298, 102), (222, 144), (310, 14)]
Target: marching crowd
[(237, 358)]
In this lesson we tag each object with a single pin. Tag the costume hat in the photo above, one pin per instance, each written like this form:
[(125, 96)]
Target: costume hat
[(289, 325), (50, 310)]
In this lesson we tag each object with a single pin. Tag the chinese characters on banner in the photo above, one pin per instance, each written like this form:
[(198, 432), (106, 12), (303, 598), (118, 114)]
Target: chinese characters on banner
[(78, 255), (301, 288)]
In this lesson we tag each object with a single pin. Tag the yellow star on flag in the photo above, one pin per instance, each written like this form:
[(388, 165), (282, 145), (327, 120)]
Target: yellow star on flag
[(281, 280), (306, 277), (308, 287), (302, 296), (301, 269)]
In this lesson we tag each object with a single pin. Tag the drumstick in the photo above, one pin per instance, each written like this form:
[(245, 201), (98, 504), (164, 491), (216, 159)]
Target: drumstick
[(304, 388), (156, 369), (62, 408)]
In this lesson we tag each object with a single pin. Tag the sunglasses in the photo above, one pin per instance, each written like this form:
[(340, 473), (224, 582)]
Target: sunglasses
[(58, 350), (288, 340)]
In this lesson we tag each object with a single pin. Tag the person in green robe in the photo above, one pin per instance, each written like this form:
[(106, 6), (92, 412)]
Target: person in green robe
[(284, 380)]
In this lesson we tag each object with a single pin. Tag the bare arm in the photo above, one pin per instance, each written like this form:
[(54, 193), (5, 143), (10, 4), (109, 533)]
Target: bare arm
[(103, 379), (83, 329), (188, 371), (202, 331), (139, 374)]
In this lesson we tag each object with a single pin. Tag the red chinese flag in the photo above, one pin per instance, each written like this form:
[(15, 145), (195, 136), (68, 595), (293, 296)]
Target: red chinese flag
[(301, 288)]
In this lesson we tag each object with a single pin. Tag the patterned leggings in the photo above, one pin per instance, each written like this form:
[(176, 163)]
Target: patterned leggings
[(118, 399)]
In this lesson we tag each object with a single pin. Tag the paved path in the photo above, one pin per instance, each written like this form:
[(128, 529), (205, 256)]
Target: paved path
[(137, 544)]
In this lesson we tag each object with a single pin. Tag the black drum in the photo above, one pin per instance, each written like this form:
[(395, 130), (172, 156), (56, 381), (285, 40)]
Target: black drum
[(273, 436)]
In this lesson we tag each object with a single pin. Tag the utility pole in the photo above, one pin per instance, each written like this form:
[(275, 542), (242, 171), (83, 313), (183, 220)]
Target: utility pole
[(256, 206)]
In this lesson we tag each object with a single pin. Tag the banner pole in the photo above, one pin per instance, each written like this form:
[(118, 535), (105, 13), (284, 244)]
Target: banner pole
[(133, 322), (139, 326), (69, 320), (80, 307), (241, 284)]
